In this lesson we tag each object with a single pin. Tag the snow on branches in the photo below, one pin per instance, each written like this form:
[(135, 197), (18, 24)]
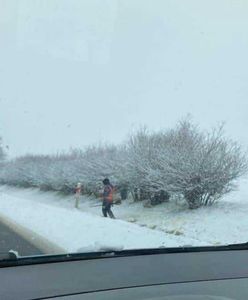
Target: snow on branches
[(183, 161)]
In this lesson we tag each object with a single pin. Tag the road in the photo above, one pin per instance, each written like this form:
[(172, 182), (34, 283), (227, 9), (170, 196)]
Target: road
[(11, 240)]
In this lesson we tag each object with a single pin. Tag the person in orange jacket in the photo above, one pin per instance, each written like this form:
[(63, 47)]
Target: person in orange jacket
[(77, 194), (107, 199)]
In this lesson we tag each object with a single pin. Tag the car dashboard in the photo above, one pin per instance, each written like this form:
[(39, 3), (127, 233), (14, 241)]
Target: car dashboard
[(219, 273)]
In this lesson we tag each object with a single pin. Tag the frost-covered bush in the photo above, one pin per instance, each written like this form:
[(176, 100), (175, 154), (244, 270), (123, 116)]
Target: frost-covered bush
[(202, 166), (25, 171), (184, 161), (143, 169), (62, 172)]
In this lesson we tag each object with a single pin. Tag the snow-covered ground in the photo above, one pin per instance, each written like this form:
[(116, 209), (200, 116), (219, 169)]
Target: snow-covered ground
[(54, 217)]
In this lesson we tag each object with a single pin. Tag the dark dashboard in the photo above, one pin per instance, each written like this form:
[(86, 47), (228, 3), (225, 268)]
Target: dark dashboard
[(170, 274)]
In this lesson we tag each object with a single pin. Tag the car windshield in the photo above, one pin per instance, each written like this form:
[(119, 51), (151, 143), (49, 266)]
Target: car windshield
[(123, 125)]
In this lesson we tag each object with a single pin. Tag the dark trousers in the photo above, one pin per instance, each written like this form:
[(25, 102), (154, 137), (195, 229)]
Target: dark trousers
[(106, 209)]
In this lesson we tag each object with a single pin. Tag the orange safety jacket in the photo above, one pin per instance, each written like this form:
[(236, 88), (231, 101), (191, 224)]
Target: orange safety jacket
[(108, 193), (77, 190)]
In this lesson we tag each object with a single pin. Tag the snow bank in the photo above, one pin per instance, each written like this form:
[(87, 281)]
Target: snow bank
[(73, 230), (167, 225)]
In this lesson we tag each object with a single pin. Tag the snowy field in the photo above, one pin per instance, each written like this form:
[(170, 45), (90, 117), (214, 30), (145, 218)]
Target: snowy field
[(54, 217)]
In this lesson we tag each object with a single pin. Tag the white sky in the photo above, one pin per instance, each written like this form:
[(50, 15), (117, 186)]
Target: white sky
[(74, 72)]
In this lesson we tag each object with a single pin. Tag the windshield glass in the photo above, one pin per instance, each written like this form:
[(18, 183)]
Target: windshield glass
[(122, 124)]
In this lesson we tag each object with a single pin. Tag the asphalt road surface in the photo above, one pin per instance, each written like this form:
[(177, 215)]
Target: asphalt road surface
[(10, 240)]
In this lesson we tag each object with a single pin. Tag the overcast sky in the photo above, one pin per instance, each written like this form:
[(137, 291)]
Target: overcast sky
[(76, 72)]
